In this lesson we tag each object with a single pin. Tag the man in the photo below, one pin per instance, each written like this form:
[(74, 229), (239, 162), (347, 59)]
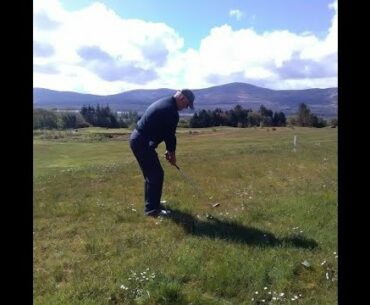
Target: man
[(157, 124)]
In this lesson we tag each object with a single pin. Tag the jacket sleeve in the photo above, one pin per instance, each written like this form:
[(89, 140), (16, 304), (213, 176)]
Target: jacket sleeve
[(170, 134)]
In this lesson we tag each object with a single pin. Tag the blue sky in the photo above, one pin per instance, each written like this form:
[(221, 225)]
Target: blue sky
[(106, 47), (194, 19)]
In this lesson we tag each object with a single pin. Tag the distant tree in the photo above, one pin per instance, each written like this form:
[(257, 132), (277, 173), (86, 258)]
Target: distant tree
[(121, 122), (266, 121), (292, 120), (307, 119), (333, 122), (232, 118), (316, 121), (68, 120), (132, 117), (127, 119), (101, 116), (279, 119), (265, 112), (237, 117), (201, 119), (303, 115), (241, 116), (80, 121), (254, 119), (266, 116), (204, 119), (89, 114), (194, 121), (218, 117), (44, 119)]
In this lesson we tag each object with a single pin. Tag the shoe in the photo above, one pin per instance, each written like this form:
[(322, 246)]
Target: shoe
[(158, 213), (164, 212)]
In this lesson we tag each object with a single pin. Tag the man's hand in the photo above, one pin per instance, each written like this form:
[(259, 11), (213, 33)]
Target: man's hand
[(171, 157)]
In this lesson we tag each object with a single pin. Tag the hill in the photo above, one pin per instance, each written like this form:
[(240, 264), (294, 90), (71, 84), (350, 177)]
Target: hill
[(322, 102)]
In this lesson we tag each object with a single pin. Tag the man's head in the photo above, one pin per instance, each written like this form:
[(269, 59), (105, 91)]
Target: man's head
[(184, 99)]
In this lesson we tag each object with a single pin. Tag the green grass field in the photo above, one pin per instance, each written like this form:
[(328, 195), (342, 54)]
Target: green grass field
[(272, 238)]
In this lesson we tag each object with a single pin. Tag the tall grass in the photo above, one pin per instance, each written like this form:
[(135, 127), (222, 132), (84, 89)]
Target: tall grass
[(260, 227)]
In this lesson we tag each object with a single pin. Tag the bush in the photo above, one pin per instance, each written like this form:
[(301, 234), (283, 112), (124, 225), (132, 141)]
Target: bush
[(44, 119), (72, 120)]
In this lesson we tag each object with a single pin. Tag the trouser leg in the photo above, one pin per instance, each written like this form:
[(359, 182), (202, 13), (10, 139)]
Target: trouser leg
[(153, 176), (152, 171)]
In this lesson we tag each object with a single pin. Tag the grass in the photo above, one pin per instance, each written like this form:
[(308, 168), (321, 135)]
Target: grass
[(277, 209)]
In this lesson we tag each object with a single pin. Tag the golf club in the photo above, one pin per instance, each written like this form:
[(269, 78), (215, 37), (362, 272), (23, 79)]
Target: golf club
[(190, 180)]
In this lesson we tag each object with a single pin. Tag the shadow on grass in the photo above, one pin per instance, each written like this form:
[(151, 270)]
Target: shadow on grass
[(231, 231)]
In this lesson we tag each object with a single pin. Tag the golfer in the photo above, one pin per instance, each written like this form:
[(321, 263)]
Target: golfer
[(157, 124)]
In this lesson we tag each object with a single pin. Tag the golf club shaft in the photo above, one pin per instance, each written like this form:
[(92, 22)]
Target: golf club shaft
[(188, 178)]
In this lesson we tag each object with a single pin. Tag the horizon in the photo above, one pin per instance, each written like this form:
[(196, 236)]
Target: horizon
[(108, 47), (140, 89)]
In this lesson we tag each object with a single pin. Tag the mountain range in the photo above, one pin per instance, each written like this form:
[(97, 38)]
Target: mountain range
[(322, 102)]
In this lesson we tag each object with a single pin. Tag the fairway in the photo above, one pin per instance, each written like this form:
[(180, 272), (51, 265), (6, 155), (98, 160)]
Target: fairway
[(258, 227)]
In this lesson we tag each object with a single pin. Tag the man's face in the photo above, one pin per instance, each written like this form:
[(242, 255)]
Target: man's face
[(183, 102)]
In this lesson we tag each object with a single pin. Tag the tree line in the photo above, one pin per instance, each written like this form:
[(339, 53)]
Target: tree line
[(103, 116), (99, 116), (239, 117)]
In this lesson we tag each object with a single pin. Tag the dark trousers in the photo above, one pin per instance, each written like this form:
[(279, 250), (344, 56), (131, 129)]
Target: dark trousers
[(151, 168)]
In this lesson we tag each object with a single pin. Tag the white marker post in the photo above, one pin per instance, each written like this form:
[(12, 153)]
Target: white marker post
[(295, 143)]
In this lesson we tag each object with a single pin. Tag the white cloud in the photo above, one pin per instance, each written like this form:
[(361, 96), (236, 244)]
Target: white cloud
[(238, 14), (94, 50), (276, 60), (125, 48)]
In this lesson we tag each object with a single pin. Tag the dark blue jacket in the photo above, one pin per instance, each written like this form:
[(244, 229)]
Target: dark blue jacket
[(159, 122)]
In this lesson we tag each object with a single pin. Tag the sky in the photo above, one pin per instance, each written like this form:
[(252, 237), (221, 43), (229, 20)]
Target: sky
[(108, 47)]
